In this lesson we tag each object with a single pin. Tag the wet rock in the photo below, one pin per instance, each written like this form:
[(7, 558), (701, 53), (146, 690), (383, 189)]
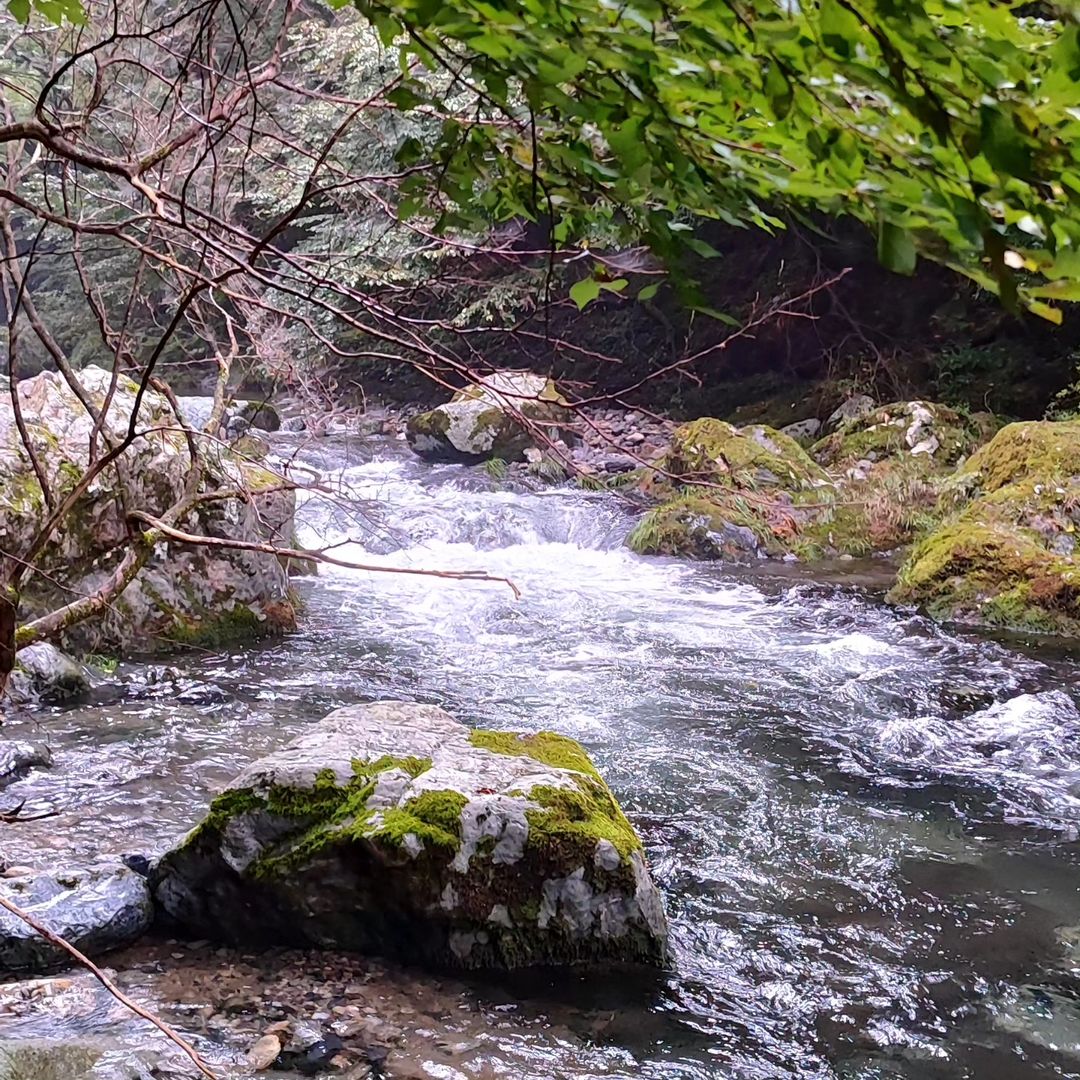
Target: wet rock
[(855, 408), (999, 559), (17, 758), (95, 908), (310, 1050), (53, 676), (485, 420), (294, 424), (260, 415), (87, 1058), (393, 828)]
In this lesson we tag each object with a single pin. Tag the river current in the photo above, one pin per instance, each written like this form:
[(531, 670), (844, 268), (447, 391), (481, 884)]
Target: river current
[(866, 828)]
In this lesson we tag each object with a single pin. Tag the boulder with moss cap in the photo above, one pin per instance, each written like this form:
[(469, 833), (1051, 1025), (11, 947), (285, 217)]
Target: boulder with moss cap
[(497, 417), (392, 828), (1008, 554)]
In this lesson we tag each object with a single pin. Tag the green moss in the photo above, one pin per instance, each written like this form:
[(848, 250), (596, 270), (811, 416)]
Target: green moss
[(545, 746), (694, 525), (715, 452), (983, 571), (227, 626), (884, 434), (1042, 451), (434, 424), (575, 819), (434, 817)]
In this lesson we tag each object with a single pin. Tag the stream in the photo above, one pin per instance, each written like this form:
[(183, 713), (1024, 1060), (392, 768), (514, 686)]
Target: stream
[(866, 828)]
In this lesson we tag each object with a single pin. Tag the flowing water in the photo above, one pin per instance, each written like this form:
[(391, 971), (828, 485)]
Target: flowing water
[(865, 827)]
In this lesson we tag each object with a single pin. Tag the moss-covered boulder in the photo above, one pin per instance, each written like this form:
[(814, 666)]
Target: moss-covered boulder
[(1007, 554), (501, 416), (733, 493), (709, 451), (922, 435), (392, 828)]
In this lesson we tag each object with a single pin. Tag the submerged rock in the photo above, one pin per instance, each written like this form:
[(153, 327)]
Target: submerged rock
[(17, 758), (1007, 556), (393, 828), (192, 594), (495, 418), (95, 908)]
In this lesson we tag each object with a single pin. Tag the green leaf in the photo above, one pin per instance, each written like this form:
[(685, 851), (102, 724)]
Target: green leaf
[(896, 249), (584, 292), (1045, 311), (778, 90), (20, 9), (649, 291), (699, 247), (1002, 144)]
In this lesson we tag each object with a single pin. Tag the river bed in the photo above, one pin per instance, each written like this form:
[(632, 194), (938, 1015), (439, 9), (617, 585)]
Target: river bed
[(865, 827)]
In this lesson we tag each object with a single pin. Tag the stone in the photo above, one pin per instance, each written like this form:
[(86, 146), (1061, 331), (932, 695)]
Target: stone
[(854, 408), (18, 757), (802, 430), (925, 435), (392, 828), (89, 1057), (257, 414), (95, 908), (191, 595), (264, 1052), (53, 676), (479, 422)]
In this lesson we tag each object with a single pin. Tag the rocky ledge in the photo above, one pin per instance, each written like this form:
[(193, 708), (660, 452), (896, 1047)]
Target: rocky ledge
[(392, 828)]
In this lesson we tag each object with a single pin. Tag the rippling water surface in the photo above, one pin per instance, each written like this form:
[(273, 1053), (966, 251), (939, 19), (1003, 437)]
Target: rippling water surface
[(865, 827)]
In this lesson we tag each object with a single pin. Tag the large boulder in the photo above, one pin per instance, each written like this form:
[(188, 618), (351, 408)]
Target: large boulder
[(498, 417), (186, 593), (393, 828), (1007, 555), (95, 908), (729, 493), (920, 435)]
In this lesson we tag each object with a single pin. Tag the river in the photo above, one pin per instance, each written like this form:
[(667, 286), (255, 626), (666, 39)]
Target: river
[(865, 827)]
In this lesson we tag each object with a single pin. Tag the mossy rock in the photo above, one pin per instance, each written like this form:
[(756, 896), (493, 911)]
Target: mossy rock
[(928, 436), (391, 828), (714, 452), (983, 572), (498, 417), (1007, 557), (709, 526)]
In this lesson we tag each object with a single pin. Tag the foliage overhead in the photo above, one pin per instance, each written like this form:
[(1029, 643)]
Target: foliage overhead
[(951, 127)]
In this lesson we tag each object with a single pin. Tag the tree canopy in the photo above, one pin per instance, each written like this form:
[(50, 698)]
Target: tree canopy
[(952, 127)]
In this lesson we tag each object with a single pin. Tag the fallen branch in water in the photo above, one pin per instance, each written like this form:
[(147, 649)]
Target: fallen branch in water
[(305, 555), (56, 939), (10, 817)]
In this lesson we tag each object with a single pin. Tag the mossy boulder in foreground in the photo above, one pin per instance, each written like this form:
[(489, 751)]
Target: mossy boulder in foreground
[(392, 828), (1008, 554)]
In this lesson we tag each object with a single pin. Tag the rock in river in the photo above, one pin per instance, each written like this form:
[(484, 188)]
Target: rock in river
[(96, 908), (496, 418), (393, 828)]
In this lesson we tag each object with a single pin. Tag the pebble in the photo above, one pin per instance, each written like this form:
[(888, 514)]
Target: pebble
[(264, 1053)]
